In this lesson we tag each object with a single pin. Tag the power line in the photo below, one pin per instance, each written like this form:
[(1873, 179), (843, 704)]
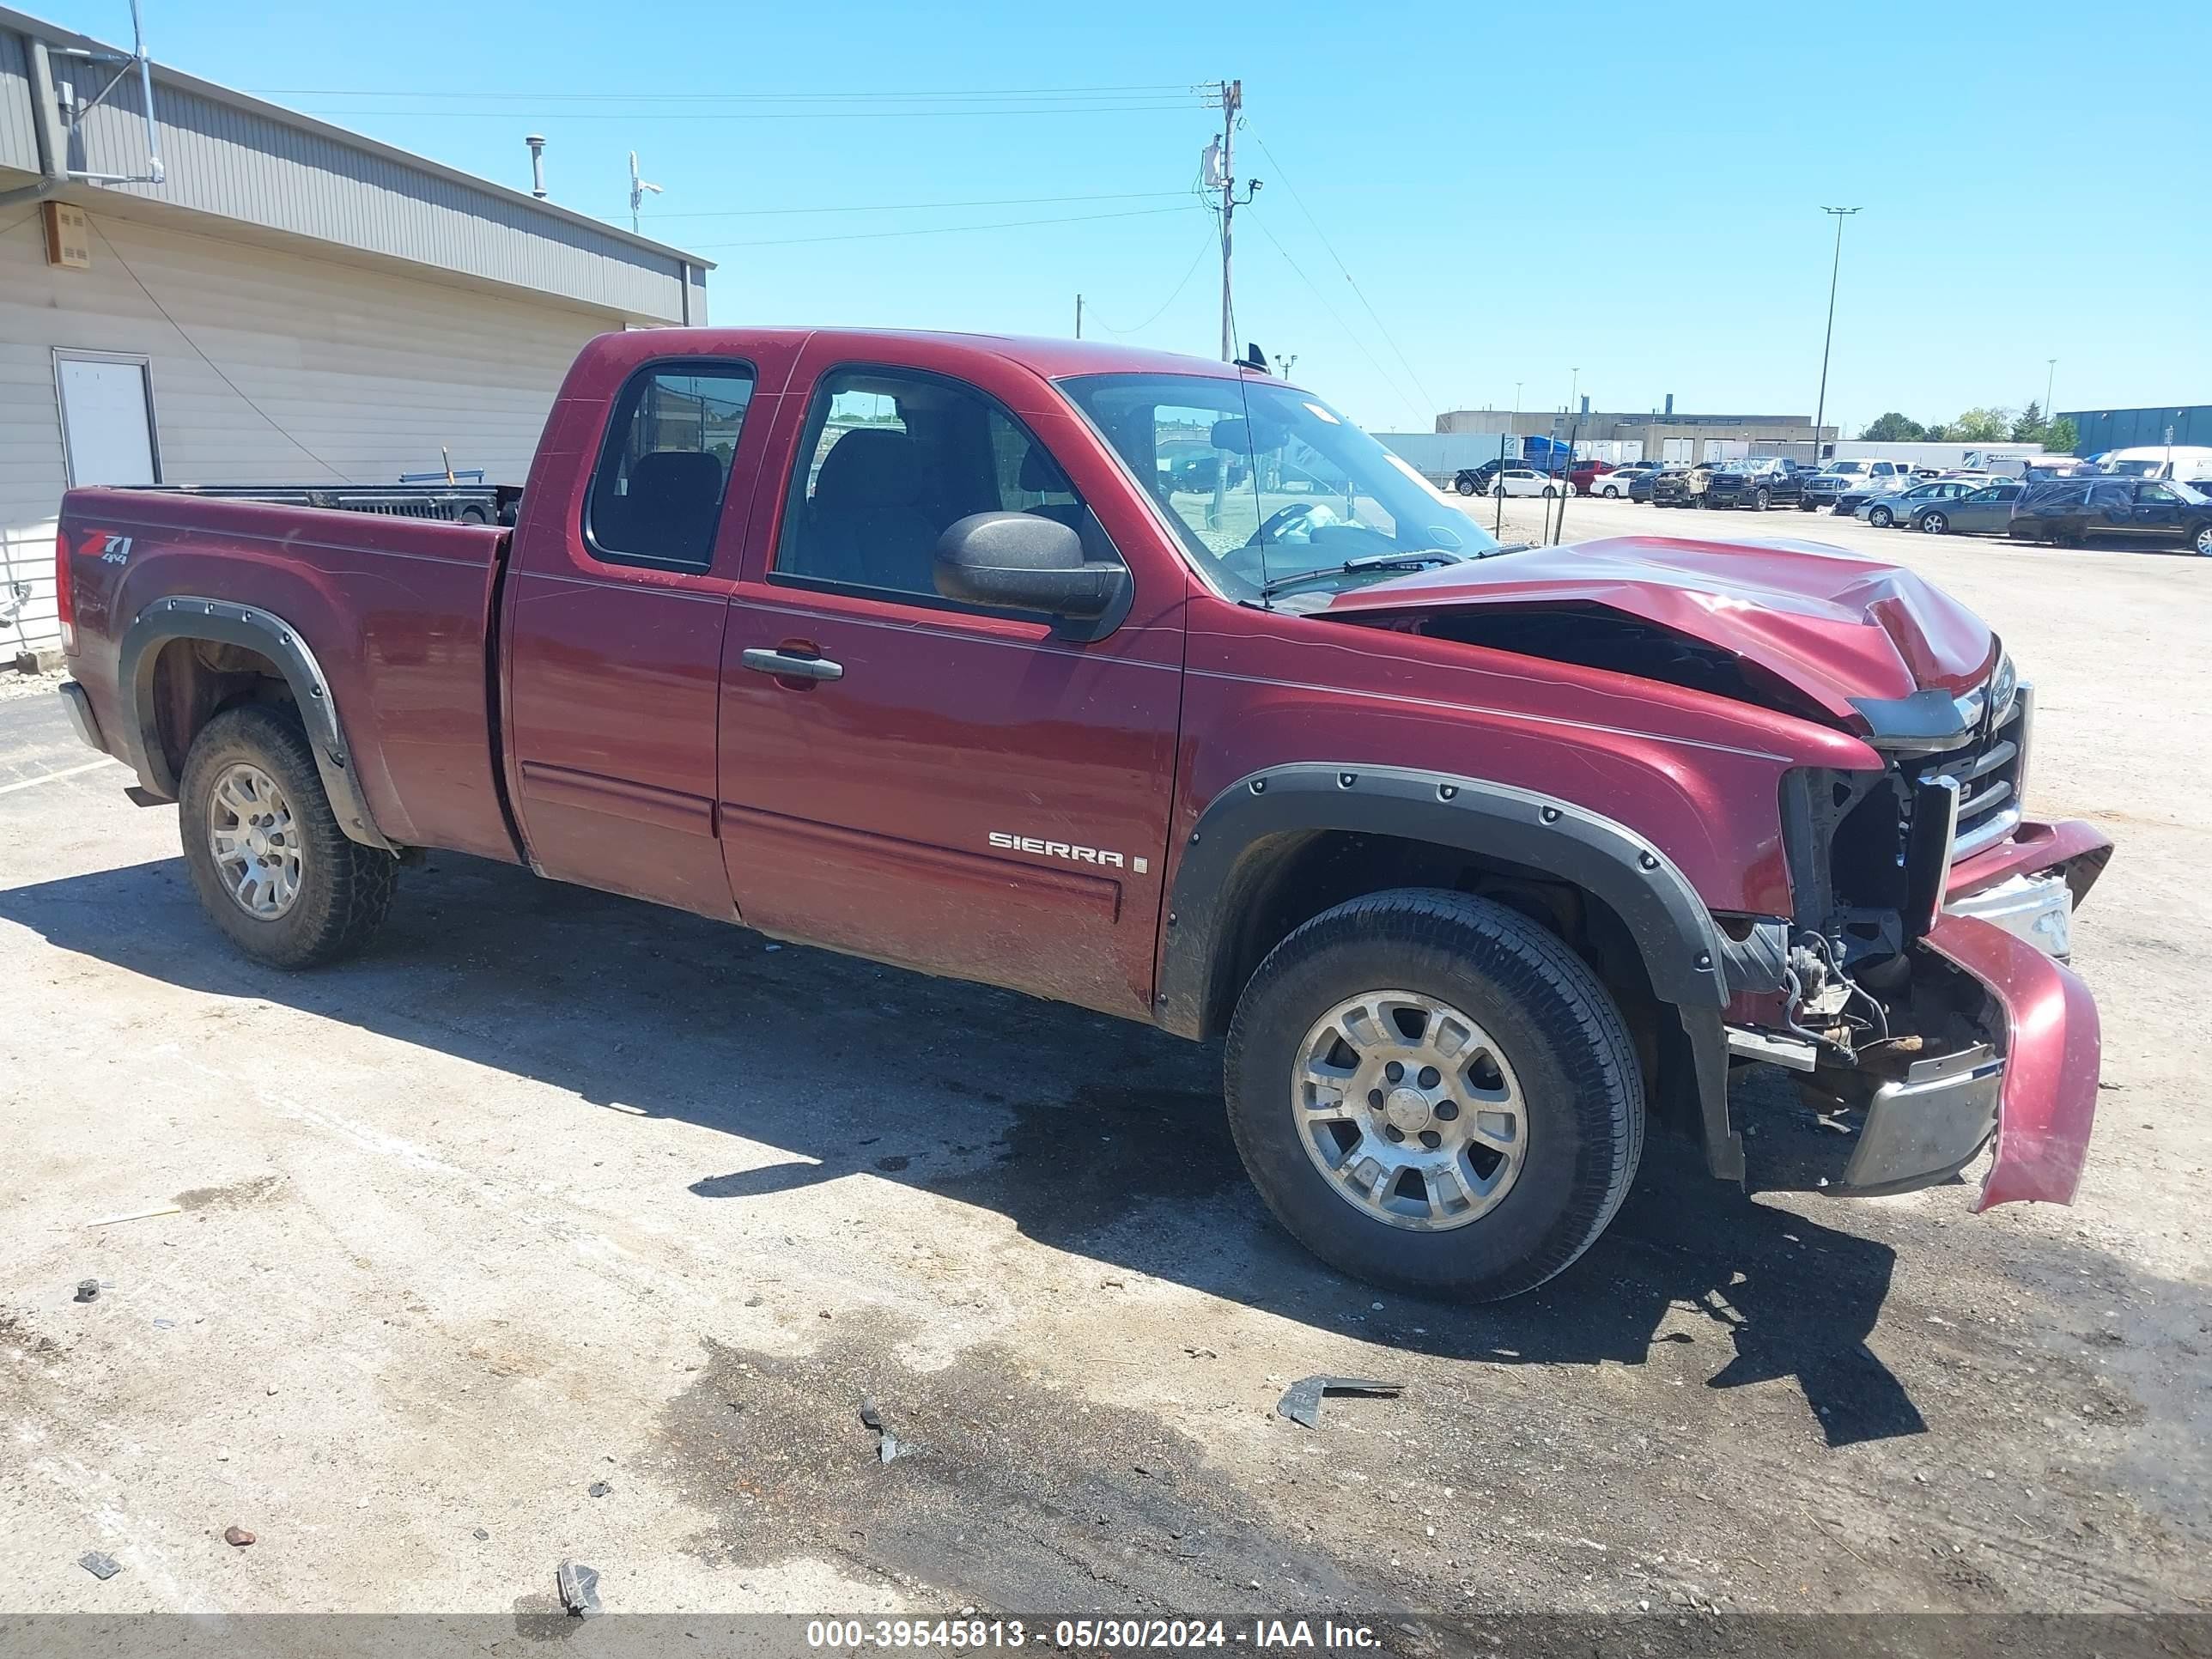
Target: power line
[(1373, 361), (909, 207), (476, 95), (1203, 247), (209, 361), (1340, 266), (759, 115), (942, 230)]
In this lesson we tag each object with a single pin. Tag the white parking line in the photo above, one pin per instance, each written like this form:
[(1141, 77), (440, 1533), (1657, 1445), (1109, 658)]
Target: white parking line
[(56, 777)]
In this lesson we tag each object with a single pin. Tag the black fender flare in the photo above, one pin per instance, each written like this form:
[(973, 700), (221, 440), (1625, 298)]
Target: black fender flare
[(1681, 946), (226, 622)]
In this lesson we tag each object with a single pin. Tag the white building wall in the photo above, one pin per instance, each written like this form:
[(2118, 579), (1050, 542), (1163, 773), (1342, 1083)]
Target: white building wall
[(368, 373)]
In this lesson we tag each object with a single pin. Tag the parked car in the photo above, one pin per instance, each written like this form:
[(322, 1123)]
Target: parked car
[(1850, 500), (1620, 483), (914, 687), (1524, 480), (1984, 512), (1680, 486), (1639, 486), (2067, 511), (1757, 484), (1478, 480), (1583, 474), (1883, 511)]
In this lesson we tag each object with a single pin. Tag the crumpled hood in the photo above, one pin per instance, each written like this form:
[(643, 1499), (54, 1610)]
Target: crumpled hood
[(1832, 623)]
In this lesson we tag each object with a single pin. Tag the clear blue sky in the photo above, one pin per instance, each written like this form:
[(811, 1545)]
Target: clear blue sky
[(2033, 176)]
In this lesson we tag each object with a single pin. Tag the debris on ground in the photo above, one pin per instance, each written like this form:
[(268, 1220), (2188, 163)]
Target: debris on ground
[(598, 1489), (481, 1535), (237, 1537), (87, 1289), (888, 1445), (138, 1215), (100, 1564), (580, 1590), (1301, 1402)]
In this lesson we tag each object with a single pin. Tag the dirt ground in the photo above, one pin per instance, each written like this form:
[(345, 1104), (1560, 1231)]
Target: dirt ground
[(554, 1195)]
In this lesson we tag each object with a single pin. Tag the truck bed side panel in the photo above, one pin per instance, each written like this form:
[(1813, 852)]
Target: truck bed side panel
[(398, 611)]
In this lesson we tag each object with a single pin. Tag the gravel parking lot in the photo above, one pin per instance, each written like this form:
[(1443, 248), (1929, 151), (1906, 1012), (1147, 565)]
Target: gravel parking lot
[(553, 1193)]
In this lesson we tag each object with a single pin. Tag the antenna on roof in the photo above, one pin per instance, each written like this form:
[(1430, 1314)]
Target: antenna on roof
[(637, 189)]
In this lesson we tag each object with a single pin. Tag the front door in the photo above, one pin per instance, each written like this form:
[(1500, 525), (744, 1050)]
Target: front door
[(616, 602), (972, 792), (2157, 512)]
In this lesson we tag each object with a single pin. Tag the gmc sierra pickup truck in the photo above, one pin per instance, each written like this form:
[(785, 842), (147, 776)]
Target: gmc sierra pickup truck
[(934, 649)]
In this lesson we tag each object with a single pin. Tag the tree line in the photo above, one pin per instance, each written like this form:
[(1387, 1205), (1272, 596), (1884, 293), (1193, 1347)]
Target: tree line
[(1979, 426)]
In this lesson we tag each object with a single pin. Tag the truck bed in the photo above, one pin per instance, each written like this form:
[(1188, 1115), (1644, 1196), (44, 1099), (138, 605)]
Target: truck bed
[(399, 612)]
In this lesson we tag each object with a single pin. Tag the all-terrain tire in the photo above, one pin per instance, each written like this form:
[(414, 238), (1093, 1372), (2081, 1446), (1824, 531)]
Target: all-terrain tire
[(344, 888), (1582, 1092)]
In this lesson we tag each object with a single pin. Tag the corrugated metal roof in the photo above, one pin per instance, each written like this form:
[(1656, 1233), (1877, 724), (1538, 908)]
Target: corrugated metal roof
[(237, 157)]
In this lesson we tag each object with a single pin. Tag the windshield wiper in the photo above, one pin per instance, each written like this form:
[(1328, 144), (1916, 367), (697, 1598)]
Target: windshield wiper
[(1369, 562)]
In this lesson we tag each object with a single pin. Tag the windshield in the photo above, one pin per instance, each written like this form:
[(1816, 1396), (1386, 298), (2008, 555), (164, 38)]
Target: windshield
[(1264, 482), (2193, 494), (2133, 469)]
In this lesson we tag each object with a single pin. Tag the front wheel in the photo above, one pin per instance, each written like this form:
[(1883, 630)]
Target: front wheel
[(1933, 523), (1882, 518), (2201, 543), (1759, 499), (1549, 492), (1433, 1093), (1465, 486), (267, 859)]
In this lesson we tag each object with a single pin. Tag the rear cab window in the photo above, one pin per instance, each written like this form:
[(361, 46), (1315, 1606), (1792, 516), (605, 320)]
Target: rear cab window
[(656, 496)]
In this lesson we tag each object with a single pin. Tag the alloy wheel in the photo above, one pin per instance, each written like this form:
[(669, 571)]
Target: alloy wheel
[(1935, 523), (256, 840), (1410, 1111)]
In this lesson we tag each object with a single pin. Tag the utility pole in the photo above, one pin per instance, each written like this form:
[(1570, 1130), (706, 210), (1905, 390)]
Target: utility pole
[(2050, 373), (638, 188), (1821, 409), (1079, 316), (1220, 173)]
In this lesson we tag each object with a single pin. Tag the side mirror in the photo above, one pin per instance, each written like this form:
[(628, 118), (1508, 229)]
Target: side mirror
[(1019, 562)]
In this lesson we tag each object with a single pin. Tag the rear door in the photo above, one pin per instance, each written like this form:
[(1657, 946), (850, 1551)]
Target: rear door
[(616, 599), (967, 792), (2157, 512)]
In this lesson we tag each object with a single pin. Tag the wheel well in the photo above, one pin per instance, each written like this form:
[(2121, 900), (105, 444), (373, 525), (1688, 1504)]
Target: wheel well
[(1284, 880), (195, 680)]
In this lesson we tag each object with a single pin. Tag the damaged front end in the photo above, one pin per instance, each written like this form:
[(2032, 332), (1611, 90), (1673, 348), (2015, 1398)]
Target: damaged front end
[(1920, 985)]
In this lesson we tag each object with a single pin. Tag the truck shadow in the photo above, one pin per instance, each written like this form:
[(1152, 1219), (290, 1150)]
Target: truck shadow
[(1095, 1136)]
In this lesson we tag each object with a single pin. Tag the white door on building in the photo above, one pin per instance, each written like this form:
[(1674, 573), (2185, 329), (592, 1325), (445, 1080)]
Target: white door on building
[(107, 420)]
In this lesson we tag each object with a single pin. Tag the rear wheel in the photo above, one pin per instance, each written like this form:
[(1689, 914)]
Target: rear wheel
[(1433, 1093), (267, 859), (1613, 492), (1933, 523)]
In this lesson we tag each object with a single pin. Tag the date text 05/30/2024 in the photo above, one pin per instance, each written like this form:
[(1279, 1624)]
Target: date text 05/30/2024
[(1133, 1634)]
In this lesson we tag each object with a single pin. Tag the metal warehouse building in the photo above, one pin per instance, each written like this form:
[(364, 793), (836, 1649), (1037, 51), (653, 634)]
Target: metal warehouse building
[(2100, 429), (291, 303)]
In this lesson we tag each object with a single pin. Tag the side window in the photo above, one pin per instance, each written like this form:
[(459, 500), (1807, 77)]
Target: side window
[(2154, 492), (657, 495), (890, 459), (2108, 495)]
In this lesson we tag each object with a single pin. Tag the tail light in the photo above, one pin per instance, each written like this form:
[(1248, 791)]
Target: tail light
[(65, 594)]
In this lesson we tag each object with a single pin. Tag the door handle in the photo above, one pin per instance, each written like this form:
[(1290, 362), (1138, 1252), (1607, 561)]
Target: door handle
[(786, 667)]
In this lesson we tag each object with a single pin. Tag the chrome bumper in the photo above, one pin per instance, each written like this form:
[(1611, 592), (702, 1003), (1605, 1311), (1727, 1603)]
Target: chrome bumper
[(2036, 908)]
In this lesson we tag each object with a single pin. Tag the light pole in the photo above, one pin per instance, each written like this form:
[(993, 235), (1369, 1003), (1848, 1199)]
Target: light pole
[(2050, 373), (1821, 409)]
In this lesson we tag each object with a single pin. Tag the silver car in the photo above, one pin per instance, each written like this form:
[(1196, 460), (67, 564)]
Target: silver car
[(1899, 506)]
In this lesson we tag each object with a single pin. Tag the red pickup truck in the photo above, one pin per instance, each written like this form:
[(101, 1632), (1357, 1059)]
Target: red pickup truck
[(940, 650)]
